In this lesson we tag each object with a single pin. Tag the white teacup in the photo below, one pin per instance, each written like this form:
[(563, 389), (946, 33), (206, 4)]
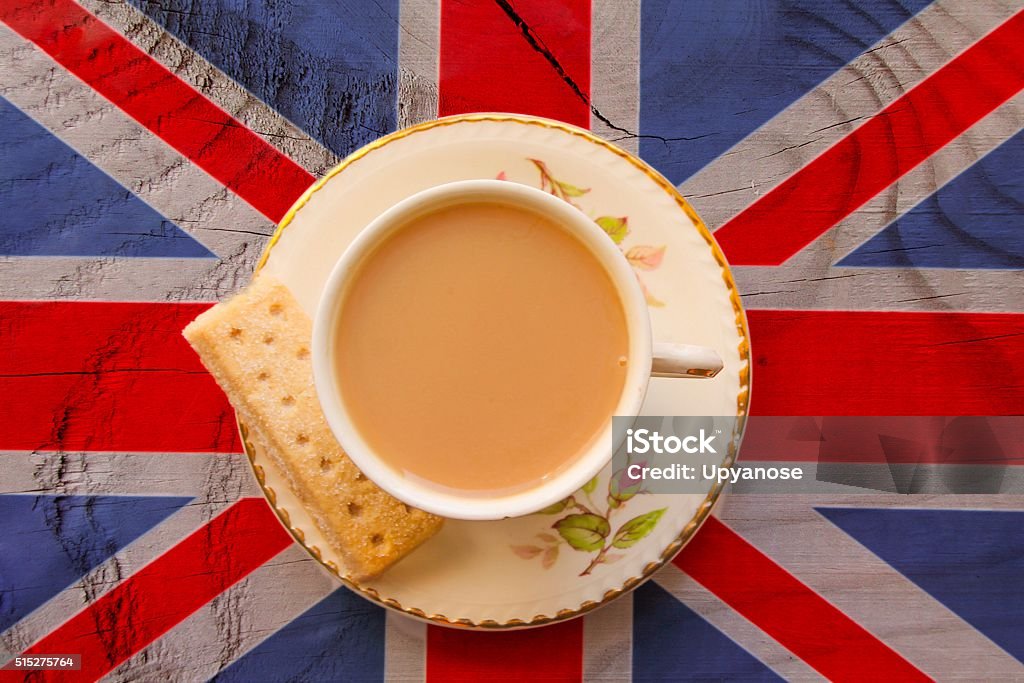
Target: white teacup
[(645, 358)]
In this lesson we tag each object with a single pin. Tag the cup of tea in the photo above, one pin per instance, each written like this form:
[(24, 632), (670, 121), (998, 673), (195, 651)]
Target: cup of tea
[(473, 344)]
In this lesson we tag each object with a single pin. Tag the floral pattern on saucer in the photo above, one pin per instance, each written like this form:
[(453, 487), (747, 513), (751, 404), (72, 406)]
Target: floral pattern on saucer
[(467, 576), (641, 257), (587, 529)]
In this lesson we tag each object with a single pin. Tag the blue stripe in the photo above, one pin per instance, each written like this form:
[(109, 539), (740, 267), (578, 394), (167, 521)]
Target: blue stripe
[(713, 72), (341, 638), (54, 202), (49, 542), (974, 221), (972, 561), (329, 67), (671, 642)]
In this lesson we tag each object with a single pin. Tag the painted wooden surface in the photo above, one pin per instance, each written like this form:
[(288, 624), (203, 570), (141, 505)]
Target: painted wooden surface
[(131, 200)]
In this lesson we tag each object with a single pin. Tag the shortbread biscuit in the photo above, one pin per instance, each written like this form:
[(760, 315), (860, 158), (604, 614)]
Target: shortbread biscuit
[(257, 346)]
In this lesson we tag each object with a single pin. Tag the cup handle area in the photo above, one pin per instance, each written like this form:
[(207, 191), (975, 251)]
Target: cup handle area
[(684, 360)]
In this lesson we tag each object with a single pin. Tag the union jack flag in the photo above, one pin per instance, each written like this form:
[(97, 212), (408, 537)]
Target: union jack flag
[(861, 162)]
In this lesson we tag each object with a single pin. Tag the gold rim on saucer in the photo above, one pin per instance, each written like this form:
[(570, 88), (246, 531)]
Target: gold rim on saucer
[(742, 400)]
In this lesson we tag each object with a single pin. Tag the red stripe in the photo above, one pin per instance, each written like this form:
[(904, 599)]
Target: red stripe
[(894, 363), (163, 593), (876, 154), (118, 376), (487, 63), (552, 653), (798, 618), (105, 376), (173, 110)]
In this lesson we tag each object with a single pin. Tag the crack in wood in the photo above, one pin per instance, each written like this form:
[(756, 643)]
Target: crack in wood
[(537, 44)]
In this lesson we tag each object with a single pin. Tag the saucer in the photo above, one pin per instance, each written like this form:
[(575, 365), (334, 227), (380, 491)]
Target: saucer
[(604, 540)]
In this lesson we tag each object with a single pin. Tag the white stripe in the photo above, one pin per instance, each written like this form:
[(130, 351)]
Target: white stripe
[(192, 68), (903, 195), (112, 279), (808, 280), (828, 113), (209, 477), (871, 592), (215, 481), (725, 619), (149, 168), (808, 127), (219, 632), (608, 641), (110, 573), (234, 622), (419, 39), (405, 648), (615, 70)]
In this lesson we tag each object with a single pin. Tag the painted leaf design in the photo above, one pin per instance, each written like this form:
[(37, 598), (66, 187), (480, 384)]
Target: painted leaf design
[(550, 555), (555, 508), (644, 257), (652, 300), (622, 487), (541, 166), (545, 174), (526, 551), (635, 529), (617, 228), (571, 190), (612, 558), (583, 532), (589, 487), (547, 538)]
